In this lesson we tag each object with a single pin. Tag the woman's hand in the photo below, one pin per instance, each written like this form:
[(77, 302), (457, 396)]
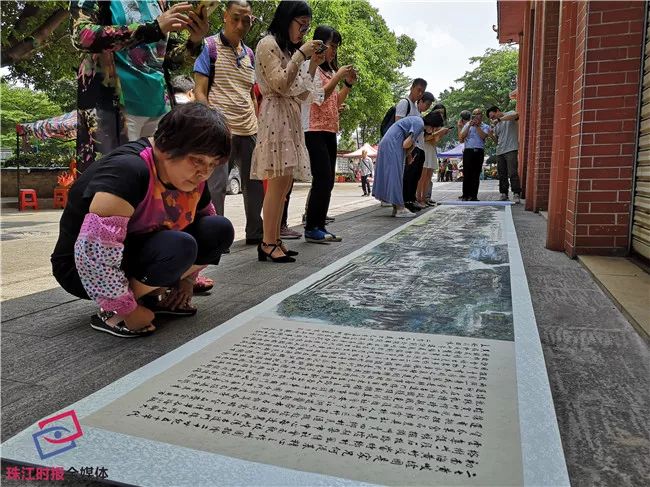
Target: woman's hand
[(317, 59), (139, 318), (181, 295), (174, 19), (198, 26), (344, 72), (309, 48)]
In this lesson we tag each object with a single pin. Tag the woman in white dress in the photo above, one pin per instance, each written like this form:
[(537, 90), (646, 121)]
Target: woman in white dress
[(285, 80), (430, 159)]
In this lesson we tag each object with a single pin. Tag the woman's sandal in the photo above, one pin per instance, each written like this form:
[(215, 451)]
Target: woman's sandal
[(262, 256), (290, 253), (98, 322), (159, 305), (203, 284)]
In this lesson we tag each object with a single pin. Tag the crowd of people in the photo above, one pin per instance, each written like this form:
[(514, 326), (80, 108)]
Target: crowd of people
[(147, 216)]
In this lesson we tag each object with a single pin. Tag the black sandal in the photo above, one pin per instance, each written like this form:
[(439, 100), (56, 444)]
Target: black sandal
[(262, 256), (98, 322), (290, 253)]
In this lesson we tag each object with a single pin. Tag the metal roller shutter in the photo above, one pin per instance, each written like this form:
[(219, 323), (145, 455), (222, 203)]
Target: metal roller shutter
[(641, 221)]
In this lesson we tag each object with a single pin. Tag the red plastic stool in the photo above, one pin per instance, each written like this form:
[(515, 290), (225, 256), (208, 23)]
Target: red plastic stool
[(60, 197), (27, 199)]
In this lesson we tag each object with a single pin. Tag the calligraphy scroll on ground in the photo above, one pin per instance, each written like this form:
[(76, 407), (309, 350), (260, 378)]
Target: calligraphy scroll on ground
[(404, 374), (382, 407)]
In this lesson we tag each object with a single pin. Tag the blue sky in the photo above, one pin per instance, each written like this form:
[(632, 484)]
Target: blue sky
[(447, 33)]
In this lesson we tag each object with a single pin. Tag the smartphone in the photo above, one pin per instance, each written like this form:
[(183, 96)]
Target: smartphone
[(209, 6), (321, 49)]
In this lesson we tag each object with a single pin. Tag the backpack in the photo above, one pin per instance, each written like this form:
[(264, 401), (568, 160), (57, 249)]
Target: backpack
[(389, 118), (211, 44)]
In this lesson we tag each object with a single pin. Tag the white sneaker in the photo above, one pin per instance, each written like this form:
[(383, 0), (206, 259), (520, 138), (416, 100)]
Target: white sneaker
[(516, 199), (504, 197), (404, 213), (384, 204)]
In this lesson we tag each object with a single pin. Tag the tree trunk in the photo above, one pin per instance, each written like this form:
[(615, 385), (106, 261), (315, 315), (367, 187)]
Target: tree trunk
[(23, 49)]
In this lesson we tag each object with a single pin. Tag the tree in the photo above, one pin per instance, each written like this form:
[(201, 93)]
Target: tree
[(29, 27), (22, 105), (489, 83), (40, 54)]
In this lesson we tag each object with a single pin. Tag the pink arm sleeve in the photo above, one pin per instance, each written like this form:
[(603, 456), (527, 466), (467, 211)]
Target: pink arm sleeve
[(98, 256)]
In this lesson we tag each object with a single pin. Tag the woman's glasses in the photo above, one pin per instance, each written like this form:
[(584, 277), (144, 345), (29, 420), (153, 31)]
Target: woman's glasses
[(303, 27)]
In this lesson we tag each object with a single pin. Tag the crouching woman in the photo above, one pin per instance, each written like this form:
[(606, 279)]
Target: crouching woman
[(139, 223)]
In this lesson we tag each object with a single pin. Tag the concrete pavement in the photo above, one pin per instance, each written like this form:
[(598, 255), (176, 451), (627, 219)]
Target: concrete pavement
[(598, 366)]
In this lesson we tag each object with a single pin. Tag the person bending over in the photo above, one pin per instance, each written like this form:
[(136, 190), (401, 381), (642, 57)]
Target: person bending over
[(140, 222), (394, 151)]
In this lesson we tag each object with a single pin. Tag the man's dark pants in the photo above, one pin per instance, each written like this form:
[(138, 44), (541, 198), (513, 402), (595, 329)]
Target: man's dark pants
[(253, 190), (507, 168), (412, 173), (472, 165)]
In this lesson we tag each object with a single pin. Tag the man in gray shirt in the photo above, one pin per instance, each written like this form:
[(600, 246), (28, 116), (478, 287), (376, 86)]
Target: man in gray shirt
[(506, 134)]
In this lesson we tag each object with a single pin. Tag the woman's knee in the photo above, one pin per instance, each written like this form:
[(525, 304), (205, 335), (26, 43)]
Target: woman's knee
[(162, 259), (214, 234)]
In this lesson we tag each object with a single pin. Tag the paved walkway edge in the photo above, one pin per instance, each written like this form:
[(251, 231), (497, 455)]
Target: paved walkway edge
[(628, 286)]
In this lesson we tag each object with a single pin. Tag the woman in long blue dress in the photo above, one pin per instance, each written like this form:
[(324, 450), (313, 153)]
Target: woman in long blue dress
[(391, 157)]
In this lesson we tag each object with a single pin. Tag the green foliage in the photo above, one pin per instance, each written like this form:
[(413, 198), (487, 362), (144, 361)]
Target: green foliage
[(375, 51), (489, 83), (24, 105), (50, 153), (368, 43), (19, 105)]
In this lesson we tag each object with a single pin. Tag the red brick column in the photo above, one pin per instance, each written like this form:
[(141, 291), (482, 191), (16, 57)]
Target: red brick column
[(534, 107), (547, 62), (563, 101), (602, 157), (525, 93), (577, 88)]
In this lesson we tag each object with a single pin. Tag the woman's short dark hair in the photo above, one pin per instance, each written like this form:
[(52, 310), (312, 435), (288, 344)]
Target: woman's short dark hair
[(441, 109), (433, 119), (285, 13), (327, 34), (193, 128)]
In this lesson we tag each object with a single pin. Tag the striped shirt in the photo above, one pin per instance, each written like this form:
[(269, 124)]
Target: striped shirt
[(231, 89)]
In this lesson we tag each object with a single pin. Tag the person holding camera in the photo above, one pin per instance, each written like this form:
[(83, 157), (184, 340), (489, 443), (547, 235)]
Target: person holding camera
[(423, 192), (320, 121), (506, 134), (127, 49), (472, 132), (284, 69), (394, 149)]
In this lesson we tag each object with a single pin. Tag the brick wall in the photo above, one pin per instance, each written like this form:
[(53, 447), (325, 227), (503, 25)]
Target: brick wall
[(606, 94), (524, 96), (562, 104), (545, 114), (577, 90), (41, 179), (535, 104)]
